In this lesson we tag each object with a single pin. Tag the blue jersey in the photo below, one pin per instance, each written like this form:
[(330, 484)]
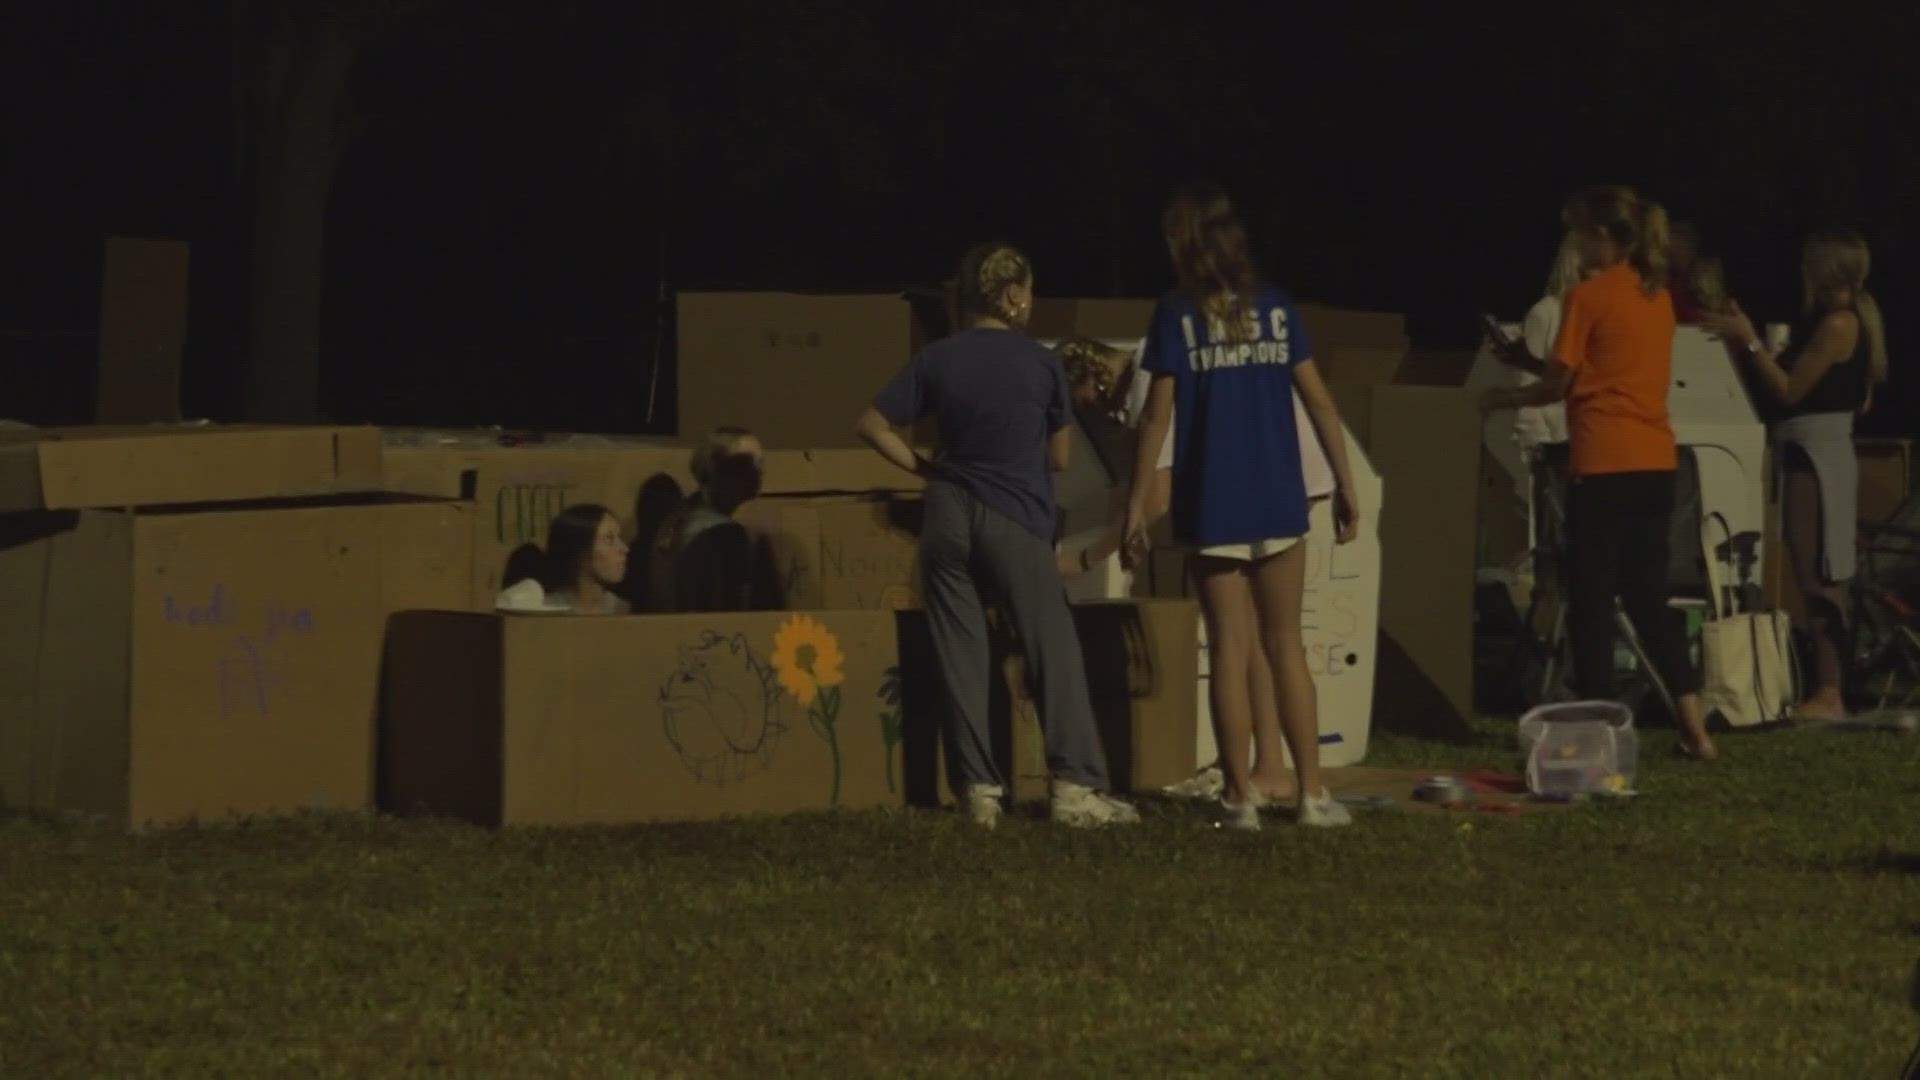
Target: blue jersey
[(1236, 454)]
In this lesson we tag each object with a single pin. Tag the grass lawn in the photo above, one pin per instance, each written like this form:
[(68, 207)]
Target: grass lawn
[(1757, 917)]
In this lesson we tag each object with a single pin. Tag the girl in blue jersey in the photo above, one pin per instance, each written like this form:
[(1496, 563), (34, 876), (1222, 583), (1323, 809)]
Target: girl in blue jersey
[(1227, 353)]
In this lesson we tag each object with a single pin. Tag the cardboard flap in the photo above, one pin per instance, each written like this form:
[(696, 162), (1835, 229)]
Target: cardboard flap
[(98, 468), (1102, 319)]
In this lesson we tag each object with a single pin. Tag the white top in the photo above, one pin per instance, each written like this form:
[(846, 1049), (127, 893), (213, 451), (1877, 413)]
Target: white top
[(527, 596), (1541, 424)]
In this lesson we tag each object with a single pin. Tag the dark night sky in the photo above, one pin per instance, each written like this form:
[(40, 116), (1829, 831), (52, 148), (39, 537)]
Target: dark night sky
[(499, 225)]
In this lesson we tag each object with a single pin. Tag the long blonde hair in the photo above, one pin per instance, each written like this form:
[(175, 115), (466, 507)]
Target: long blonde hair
[(1566, 271), (986, 274), (1835, 263), (1211, 257), (1638, 226)]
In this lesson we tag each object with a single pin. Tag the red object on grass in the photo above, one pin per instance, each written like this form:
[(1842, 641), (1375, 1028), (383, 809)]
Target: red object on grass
[(1490, 782)]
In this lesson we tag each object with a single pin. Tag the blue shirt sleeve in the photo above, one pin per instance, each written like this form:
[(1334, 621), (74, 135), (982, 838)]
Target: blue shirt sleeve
[(904, 399), (1157, 357), (1059, 402)]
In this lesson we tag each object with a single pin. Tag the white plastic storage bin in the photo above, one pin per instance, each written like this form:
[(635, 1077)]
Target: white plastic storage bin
[(1579, 748)]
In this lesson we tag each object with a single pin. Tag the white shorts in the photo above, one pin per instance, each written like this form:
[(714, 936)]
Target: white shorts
[(1253, 552)]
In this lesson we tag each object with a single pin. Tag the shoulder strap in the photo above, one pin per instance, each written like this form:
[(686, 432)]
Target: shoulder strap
[(1714, 587)]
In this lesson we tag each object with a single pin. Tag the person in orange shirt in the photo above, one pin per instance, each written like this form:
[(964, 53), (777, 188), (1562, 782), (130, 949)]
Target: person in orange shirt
[(1612, 363)]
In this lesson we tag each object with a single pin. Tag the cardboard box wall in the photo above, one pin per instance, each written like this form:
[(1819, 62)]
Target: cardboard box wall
[(573, 720), (836, 528), (1142, 664), (206, 660), (794, 369)]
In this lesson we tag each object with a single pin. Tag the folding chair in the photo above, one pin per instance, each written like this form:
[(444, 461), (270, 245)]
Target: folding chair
[(1886, 610)]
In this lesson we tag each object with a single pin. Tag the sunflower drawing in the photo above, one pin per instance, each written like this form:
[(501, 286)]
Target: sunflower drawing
[(811, 666)]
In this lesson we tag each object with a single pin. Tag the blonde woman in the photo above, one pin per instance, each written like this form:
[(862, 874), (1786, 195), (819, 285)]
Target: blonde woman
[(1837, 355), (1612, 364), (1110, 397), (1226, 352), (999, 400)]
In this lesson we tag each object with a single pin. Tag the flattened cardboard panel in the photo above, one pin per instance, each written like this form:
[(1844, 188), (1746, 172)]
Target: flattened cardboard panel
[(440, 730), (806, 364), (256, 657), (80, 471), (63, 675), (143, 328), (681, 717), (1425, 444), (426, 557), (869, 555), (1095, 318), (1331, 327)]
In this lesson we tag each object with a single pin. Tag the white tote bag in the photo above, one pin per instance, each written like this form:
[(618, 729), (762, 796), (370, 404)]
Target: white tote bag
[(1746, 658)]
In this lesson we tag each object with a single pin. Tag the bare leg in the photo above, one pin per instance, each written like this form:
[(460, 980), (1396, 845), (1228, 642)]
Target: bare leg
[(1270, 775), (1826, 604), (1232, 638), (1279, 583)]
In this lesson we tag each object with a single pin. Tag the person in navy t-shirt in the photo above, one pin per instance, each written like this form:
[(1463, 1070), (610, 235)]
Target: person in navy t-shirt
[(999, 401), (1226, 354)]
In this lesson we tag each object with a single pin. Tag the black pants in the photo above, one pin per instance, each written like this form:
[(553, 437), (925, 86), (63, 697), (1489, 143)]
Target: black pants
[(1617, 526)]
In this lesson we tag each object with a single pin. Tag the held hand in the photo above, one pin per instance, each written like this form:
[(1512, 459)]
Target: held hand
[(1734, 327), (1134, 543), (1346, 517), (1069, 565)]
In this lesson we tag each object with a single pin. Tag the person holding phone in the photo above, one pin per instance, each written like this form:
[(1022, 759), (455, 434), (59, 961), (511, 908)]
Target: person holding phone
[(1612, 364)]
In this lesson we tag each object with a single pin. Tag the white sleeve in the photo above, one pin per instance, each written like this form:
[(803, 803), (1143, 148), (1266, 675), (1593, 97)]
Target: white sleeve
[(1541, 328)]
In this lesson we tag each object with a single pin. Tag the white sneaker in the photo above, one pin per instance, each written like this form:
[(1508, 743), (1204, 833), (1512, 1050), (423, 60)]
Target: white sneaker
[(1243, 816), (984, 804), (1323, 811), (1082, 807)]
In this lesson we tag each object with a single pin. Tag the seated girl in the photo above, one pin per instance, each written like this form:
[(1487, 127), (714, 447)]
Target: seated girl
[(585, 559)]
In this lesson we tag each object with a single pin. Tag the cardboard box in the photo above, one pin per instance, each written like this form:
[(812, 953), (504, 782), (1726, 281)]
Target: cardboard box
[(574, 720), (1426, 443), (1142, 661), (110, 466), (160, 667), (797, 370)]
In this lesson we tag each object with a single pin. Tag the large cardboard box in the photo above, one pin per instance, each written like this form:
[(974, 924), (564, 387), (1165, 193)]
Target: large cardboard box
[(163, 666), (148, 465), (795, 369), (574, 720)]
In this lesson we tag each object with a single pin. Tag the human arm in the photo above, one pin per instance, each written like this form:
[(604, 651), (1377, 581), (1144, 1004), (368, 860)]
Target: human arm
[(1554, 382), (1060, 449), (1833, 340), (874, 430), (1328, 429), (1156, 424)]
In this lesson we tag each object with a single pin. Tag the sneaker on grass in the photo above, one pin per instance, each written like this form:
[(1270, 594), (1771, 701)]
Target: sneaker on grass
[(984, 805), (1323, 811), (1082, 807)]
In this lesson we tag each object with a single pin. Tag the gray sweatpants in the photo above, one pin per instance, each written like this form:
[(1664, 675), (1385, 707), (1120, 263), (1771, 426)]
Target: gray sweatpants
[(967, 548)]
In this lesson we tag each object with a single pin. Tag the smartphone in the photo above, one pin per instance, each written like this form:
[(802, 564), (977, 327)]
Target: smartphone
[(1495, 331)]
